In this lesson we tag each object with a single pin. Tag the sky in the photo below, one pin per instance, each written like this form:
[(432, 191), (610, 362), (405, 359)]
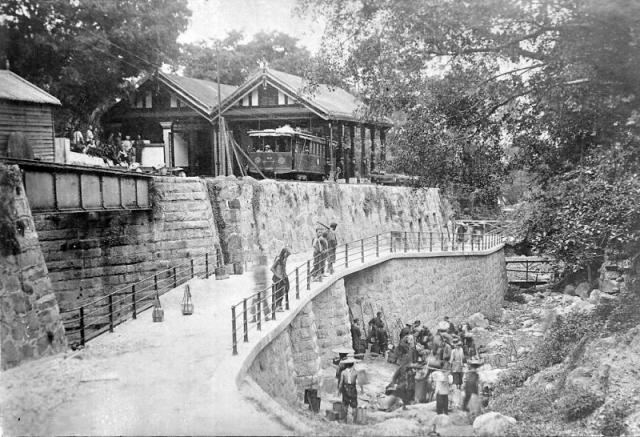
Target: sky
[(213, 19)]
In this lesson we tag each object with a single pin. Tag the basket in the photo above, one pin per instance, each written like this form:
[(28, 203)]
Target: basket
[(158, 313)]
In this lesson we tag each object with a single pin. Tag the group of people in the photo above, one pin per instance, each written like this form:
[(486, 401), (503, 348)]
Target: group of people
[(324, 251), (115, 149), (431, 363)]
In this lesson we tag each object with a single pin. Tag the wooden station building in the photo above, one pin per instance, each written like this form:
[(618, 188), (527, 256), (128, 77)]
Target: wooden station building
[(26, 119), (179, 115)]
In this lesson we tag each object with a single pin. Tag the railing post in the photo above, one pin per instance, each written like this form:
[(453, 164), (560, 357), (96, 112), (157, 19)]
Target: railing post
[(463, 241), (245, 321), (111, 313), (206, 265), (133, 301), (441, 242), (419, 240), (155, 282), (192, 269), (175, 278), (82, 326), (405, 241), (377, 245), (234, 340), (430, 241), (362, 250), (308, 275), (286, 294), (391, 242), (273, 301), (259, 312), (297, 284), (346, 256)]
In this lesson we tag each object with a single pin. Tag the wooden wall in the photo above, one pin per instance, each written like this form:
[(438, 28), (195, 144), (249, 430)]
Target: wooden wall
[(34, 120)]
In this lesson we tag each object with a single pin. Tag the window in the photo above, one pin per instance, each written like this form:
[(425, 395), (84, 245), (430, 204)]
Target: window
[(175, 102), (268, 96), (147, 100)]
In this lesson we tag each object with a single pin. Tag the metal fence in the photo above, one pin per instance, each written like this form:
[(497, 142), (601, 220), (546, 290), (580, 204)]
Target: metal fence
[(262, 306), (101, 315)]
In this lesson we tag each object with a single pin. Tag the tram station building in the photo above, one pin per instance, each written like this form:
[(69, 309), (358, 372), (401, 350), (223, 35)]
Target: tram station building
[(179, 116)]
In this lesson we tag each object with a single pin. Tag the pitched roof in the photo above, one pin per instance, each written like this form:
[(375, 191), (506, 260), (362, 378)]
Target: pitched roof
[(331, 103), (202, 93), (13, 87)]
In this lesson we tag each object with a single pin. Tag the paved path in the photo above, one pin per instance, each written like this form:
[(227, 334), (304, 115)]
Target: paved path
[(172, 378)]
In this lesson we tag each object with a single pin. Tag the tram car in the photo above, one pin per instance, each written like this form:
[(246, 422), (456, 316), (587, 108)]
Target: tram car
[(289, 153)]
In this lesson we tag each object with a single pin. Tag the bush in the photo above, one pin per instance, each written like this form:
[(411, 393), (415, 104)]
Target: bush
[(577, 403), (610, 419), (525, 404), (514, 294)]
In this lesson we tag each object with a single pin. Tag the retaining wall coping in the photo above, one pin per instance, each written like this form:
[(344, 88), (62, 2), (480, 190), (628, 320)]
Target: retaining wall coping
[(249, 356)]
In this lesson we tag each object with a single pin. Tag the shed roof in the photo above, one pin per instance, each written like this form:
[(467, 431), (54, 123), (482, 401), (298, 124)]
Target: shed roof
[(13, 87)]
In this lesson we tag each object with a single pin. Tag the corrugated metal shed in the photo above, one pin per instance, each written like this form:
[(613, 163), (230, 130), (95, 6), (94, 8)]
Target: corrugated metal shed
[(15, 88)]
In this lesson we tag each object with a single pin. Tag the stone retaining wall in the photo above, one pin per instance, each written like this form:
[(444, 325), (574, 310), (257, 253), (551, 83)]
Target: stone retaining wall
[(29, 313), (91, 254), (294, 360), (425, 287), (254, 216)]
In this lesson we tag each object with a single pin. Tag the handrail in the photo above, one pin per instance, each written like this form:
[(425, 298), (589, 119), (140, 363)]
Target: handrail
[(270, 298), (100, 315)]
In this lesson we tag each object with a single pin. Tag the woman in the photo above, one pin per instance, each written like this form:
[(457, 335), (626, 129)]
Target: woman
[(280, 279)]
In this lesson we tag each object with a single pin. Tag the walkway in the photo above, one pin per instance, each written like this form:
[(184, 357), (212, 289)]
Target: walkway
[(172, 378)]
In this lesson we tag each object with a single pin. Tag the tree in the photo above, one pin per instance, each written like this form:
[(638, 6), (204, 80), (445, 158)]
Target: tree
[(555, 80), (83, 51), (238, 60)]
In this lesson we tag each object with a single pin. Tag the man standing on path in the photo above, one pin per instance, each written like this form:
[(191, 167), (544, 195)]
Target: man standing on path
[(319, 244), (332, 241)]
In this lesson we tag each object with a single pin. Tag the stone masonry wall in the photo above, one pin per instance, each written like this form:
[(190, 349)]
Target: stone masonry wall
[(295, 359), (91, 254), (265, 215), (30, 319), (427, 289)]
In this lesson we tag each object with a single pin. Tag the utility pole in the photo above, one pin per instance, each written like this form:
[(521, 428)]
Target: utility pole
[(220, 155)]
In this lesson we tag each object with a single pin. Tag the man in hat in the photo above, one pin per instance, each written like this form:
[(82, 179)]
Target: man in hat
[(440, 380), (332, 243), (471, 383), (377, 332), (347, 386), (456, 360)]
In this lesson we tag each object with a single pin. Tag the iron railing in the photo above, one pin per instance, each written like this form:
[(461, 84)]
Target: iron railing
[(86, 322), (248, 313)]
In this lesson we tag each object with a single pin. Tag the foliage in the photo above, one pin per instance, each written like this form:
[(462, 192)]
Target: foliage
[(238, 60), (578, 403), (82, 52), (623, 314), (514, 294), (525, 403), (609, 421), (559, 342), (552, 81)]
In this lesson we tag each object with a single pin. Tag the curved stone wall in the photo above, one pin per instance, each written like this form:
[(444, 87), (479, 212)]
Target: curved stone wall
[(410, 286)]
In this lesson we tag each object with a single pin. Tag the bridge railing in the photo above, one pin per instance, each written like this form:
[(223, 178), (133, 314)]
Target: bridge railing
[(263, 306)]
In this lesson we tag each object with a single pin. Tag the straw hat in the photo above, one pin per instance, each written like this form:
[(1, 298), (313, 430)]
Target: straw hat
[(348, 360), (343, 350), (443, 326)]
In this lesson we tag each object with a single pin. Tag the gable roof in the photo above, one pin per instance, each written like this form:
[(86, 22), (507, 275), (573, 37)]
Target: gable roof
[(330, 103), (202, 94), (14, 87)]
